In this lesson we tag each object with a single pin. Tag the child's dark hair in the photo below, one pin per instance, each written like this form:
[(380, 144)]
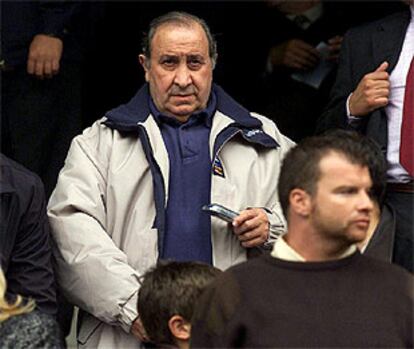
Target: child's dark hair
[(171, 288)]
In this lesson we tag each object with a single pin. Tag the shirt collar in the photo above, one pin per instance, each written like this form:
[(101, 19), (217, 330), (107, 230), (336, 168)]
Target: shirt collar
[(206, 114), (283, 251), (312, 15)]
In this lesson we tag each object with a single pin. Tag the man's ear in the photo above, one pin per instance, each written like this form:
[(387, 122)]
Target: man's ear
[(300, 202), (179, 327), (144, 62)]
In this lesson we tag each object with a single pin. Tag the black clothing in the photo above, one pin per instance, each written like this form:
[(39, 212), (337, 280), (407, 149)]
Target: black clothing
[(382, 241), (39, 117), (268, 302), (364, 48), (25, 251)]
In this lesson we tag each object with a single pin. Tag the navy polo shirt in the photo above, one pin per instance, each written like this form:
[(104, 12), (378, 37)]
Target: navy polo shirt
[(187, 228)]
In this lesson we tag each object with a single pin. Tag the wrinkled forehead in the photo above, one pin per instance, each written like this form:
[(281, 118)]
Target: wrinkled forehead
[(190, 29), (178, 39)]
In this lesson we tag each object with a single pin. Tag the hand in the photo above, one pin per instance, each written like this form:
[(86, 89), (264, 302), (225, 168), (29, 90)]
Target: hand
[(45, 53), (137, 330), (295, 54), (251, 227), (371, 93), (334, 47)]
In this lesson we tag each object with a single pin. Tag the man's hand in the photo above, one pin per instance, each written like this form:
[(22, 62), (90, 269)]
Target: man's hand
[(45, 53), (137, 330), (371, 93), (296, 54), (334, 47), (251, 227)]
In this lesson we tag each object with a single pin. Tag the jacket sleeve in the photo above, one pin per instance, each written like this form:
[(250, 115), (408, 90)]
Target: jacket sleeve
[(55, 16), (277, 221), (29, 271), (335, 114), (93, 272)]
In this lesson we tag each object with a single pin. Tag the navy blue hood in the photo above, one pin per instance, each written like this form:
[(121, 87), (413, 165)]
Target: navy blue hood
[(127, 116)]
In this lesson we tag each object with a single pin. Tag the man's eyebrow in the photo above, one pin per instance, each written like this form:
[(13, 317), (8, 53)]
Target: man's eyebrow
[(171, 57), (195, 56), (345, 187), (166, 55)]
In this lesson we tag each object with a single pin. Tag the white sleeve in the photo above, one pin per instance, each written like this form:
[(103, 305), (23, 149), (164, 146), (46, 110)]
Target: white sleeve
[(92, 271), (353, 121)]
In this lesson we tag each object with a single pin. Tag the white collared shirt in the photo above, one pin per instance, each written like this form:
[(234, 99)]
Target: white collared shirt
[(313, 14), (282, 250)]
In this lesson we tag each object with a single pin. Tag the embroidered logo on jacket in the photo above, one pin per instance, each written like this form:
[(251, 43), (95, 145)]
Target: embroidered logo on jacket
[(218, 167), (253, 132)]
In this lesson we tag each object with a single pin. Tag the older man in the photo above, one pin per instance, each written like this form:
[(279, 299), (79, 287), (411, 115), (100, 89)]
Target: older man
[(134, 183), (315, 290)]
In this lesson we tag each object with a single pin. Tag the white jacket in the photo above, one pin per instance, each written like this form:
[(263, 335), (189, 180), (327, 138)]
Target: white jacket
[(107, 211)]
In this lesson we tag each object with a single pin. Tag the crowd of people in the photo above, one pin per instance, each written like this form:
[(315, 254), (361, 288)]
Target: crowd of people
[(316, 167)]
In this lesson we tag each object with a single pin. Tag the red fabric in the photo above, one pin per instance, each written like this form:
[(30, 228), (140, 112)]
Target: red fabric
[(407, 127)]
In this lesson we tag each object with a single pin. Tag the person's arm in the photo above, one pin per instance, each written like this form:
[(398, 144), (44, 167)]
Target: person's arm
[(371, 92), (30, 271), (256, 227), (93, 272), (293, 54), (46, 48), (335, 114)]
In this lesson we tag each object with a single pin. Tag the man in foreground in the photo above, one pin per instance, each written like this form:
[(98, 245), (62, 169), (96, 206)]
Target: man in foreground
[(133, 185), (315, 289)]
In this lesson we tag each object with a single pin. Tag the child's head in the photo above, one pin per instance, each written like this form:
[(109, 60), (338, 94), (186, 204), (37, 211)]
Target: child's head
[(167, 298)]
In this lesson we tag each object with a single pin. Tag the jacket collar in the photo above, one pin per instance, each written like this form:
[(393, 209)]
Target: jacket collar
[(389, 38), (127, 116)]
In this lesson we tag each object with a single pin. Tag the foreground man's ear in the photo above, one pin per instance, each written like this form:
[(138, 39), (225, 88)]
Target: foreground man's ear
[(300, 202)]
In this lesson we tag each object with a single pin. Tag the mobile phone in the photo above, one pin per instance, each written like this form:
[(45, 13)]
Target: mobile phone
[(221, 212)]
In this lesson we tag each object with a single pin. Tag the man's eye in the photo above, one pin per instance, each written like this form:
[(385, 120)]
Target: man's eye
[(348, 191), (168, 62), (194, 64)]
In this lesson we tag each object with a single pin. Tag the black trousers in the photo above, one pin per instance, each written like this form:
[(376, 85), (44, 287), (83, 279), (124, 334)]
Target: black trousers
[(39, 118), (403, 204)]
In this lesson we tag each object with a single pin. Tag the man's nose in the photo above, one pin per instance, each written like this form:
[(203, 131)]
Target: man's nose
[(365, 202), (182, 76)]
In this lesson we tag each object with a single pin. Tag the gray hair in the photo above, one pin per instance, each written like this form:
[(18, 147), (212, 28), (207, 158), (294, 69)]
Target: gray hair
[(180, 19)]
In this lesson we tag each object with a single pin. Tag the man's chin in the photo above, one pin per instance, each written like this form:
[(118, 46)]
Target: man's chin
[(183, 110), (358, 235)]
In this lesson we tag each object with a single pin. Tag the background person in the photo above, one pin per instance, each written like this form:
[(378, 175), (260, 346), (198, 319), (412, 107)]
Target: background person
[(374, 95), (25, 251)]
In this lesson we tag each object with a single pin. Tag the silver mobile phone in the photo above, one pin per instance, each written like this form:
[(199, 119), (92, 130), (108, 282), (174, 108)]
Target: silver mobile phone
[(221, 212)]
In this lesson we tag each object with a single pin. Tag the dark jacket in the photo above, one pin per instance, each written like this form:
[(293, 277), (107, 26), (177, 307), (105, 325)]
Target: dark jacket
[(363, 50), (25, 253)]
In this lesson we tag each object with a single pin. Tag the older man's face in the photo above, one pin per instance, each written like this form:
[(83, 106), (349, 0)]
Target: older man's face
[(180, 70)]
